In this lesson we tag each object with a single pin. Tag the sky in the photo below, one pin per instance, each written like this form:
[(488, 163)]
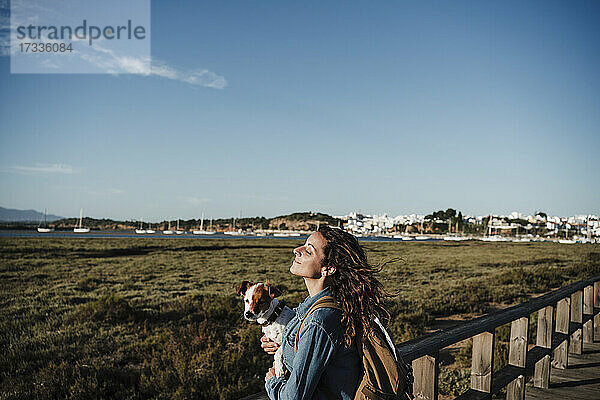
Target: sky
[(272, 107)]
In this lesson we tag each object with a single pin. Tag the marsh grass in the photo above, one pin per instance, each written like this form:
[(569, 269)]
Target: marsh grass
[(158, 318)]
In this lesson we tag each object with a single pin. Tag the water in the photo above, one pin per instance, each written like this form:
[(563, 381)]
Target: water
[(126, 234)]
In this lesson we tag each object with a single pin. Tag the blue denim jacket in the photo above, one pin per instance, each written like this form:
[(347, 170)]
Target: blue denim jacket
[(323, 366)]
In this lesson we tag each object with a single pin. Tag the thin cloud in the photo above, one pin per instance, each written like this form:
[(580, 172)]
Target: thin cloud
[(111, 62), (201, 77), (45, 169), (195, 201)]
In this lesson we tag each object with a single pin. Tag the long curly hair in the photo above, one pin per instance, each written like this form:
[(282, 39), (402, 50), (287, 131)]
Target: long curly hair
[(354, 284)]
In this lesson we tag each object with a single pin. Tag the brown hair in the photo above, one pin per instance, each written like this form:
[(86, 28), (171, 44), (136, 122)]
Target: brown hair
[(354, 283)]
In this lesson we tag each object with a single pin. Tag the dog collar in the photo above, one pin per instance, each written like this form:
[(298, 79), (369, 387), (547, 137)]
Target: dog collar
[(274, 314)]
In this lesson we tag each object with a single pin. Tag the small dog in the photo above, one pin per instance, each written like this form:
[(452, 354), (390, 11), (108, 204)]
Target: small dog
[(260, 305)]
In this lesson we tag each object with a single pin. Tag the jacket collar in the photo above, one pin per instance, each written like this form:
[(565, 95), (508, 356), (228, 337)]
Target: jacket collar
[(303, 307)]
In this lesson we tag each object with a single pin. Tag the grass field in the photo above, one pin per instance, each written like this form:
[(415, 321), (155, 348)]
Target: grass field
[(158, 318)]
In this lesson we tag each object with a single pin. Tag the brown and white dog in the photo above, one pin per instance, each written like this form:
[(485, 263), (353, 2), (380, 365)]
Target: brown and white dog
[(261, 306)]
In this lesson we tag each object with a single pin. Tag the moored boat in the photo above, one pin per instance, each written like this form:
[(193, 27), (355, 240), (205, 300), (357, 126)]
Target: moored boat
[(80, 228)]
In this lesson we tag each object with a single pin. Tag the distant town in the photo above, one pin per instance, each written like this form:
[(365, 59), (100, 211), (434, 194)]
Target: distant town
[(448, 224), (494, 227)]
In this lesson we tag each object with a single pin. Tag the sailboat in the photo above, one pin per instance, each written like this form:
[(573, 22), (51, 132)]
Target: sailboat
[(168, 231), (201, 231), (179, 231), (43, 228), (141, 230), (150, 230), (80, 228)]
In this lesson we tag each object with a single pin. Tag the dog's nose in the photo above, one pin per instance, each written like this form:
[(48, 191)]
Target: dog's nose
[(248, 314)]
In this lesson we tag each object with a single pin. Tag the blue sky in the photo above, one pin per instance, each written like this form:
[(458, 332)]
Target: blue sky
[(396, 107)]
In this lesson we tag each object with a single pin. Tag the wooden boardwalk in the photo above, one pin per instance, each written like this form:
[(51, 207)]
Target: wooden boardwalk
[(581, 380)]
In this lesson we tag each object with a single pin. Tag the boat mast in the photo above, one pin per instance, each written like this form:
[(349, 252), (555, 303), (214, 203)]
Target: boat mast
[(202, 223), (80, 217)]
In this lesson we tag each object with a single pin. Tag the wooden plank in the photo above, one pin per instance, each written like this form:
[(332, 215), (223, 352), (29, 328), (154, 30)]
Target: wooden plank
[(563, 311), (482, 362), (541, 374), (541, 377), (576, 340), (518, 342), (596, 305), (544, 327), (517, 355), (425, 372), (588, 300), (431, 343), (588, 313), (516, 389)]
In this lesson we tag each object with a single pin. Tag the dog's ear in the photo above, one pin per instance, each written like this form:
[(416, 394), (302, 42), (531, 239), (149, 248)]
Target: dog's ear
[(272, 290), (241, 290)]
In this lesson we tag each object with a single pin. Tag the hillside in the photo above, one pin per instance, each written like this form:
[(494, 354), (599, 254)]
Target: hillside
[(13, 215), (295, 221)]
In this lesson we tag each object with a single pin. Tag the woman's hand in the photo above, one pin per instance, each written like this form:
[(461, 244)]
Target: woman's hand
[(269, 346), (270, 374)]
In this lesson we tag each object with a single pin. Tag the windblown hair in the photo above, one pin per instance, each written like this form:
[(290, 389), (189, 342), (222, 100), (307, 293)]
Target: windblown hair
[(354, 284)]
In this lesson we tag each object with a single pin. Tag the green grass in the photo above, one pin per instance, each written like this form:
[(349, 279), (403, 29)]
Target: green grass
[(158, 318)]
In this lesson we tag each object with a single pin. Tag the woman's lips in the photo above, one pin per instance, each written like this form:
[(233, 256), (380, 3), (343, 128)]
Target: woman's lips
[(296, 261)]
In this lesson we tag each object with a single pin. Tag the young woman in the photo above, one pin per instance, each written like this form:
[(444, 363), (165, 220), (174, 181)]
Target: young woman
[(326, 365)]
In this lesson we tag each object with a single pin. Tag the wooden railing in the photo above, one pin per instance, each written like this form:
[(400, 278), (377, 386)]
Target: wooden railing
[(567, 318)]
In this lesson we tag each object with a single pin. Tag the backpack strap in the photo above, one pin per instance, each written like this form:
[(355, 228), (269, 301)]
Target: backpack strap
[(323, 302)]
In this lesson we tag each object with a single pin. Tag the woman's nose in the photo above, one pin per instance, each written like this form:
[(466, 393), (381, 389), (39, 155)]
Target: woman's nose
[(298, 251)]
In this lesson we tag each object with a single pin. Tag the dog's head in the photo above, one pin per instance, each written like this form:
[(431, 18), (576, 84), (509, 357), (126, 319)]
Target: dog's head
[(257, 298)]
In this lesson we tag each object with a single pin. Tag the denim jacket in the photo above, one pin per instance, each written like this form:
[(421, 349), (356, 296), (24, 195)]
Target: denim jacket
[(324, 368)]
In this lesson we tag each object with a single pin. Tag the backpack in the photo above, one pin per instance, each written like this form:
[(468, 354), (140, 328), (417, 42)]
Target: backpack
[(385, 375)]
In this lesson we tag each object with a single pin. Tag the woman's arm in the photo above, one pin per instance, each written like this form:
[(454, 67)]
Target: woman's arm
[(315, 349)]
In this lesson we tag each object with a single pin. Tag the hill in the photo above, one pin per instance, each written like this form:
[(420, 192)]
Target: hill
[(12, 215), (295, 221)]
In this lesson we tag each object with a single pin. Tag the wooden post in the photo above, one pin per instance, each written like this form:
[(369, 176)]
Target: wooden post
[(482, 362), (425, 372), (588, 309), (541, 375), (560, 359), (517, 355), (597, 305), (575, 343)]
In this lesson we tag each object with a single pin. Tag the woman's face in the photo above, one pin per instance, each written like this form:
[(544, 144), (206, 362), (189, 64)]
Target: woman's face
[(309, 257)]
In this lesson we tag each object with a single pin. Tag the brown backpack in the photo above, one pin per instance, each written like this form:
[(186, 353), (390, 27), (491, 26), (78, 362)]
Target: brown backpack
[(385, 377)]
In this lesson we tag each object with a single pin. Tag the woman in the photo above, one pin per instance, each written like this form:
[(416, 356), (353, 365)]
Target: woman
[(327, 365)]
